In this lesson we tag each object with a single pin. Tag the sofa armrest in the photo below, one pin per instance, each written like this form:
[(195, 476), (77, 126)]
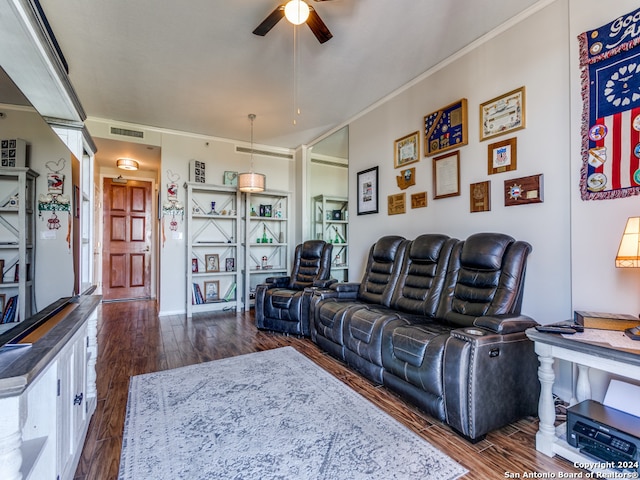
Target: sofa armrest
[(346, 287), (277, 281), (505, 324), (325, 283)]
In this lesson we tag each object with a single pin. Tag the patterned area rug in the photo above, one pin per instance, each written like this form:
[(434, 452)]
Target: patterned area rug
[(266, 415)]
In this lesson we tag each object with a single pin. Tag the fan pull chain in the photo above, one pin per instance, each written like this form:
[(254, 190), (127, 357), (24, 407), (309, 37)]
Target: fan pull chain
[(296, 106)]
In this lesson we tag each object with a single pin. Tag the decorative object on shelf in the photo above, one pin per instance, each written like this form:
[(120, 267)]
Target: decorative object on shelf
[(13, 153), (213, 209), (502, 156), (264, 234), (368, 191), (396, 204), (609, 56), (336, 215), (230, 264), (523, 190), (127, 164), (629, 249), (212, 262), (197, 171), (194, 265), (419, 200), (13, 202), (480, 197), (277, 213), (55, 183), (230, 178), (337, 238), (1, 270), (212, 291), (265, 210), (446, 175), (406, 178), (407, 150), (250, 181), (503, 114), (446, 128), (3, 301)]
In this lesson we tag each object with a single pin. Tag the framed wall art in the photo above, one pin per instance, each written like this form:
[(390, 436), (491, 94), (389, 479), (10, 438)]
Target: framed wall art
[(502, 114), (419, 200), (502, 156), (446, 175), (407, 150), (212, 291), (212, 262), (524, 190), (480, 197), (446, 128), (367, 189), (230, 264), (230, 178), (396, 204)]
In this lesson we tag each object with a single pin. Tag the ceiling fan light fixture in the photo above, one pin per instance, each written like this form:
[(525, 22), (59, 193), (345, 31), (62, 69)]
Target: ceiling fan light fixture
[(127, 164), (296, 11)]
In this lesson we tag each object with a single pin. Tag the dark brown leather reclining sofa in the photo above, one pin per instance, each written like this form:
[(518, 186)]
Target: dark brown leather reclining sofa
[(438, 321)]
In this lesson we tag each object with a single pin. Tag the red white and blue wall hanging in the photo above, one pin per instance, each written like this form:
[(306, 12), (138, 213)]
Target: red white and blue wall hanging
[(610, 63)]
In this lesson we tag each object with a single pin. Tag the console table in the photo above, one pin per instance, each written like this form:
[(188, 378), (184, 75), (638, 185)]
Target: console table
[(549, 346)]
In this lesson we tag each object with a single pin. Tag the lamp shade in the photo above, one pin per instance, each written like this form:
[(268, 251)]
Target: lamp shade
[(629, 250), (251, 182), (127, 164), (296, 11)]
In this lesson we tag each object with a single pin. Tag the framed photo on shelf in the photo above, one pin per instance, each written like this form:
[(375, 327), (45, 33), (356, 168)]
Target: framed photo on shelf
[(502, 156), (446, 175), (3, 302), (194, 265), (446, 128), (212, 291), (230, 264), (367, 189), (503, 114), (265, 210), (407, 150), (212, 262)]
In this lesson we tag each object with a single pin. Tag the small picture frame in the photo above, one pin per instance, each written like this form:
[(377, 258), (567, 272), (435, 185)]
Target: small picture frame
[(406, 150), (446, 175), (502, 156), (367, 191), (396, 204), (503, 114), (230, 264), (336, 214), (419, 200), (230, 178), (265, 210), (212, 291), (212, 262), (480, 197), (194, 265)]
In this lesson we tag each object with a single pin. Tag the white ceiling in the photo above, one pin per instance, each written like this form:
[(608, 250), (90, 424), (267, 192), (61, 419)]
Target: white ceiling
[(195, 66)]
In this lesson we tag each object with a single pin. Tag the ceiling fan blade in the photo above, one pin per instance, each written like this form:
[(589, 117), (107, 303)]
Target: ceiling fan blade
[(318, 27), (269, 22)]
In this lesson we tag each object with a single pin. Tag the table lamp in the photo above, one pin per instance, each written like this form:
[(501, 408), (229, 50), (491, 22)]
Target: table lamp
[(629, 257)]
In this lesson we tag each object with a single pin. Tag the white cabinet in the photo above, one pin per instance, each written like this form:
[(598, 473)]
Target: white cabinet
[(331, 222), (17, 240), (266, 239), (213, 248)]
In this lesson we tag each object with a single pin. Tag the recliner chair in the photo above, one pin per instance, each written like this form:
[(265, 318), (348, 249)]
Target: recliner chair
[(282, 304)]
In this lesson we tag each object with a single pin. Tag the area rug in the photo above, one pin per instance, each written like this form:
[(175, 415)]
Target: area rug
[(267, 415)]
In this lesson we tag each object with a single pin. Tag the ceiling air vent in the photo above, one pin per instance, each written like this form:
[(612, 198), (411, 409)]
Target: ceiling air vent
[(264, 153), (126, 132)]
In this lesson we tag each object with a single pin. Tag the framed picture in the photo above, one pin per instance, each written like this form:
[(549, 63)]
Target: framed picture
[(336, 214), (524, 190), (502, 156), (446, 175), (194, 265), (230, 264), (396, 204), (406, 178), (502, 114), (230, 178), (419, 200), (367, 189), (265, 210), (212, 291), (407, 150), (480, 197), (446, 129), (212, 262)]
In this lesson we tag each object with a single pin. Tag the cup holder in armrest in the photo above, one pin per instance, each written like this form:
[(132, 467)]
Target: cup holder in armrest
[(474, 331)]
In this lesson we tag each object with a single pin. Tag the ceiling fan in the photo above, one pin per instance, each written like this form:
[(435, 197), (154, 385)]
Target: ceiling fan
[(297, 12)]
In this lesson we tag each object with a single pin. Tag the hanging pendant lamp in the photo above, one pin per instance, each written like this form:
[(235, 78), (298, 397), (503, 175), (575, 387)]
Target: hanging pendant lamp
[(250, 181)]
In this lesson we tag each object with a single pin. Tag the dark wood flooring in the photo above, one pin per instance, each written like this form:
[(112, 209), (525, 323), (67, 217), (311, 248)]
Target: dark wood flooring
[(133, 340)]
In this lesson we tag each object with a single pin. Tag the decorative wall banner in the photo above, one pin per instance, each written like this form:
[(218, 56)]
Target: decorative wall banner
[(610, 63)]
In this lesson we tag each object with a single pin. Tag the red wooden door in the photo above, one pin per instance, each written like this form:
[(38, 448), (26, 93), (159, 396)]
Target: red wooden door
[(126, 257)]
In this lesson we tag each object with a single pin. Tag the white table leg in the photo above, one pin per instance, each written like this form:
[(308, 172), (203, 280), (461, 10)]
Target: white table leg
[(546, 435)]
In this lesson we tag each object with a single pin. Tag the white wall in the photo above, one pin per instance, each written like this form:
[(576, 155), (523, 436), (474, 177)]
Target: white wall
[(533, 53), (54, 258)]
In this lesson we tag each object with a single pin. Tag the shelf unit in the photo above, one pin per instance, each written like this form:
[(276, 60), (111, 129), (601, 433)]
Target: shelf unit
[(331, 222), (266, 216), (17, 239), (213, 247)]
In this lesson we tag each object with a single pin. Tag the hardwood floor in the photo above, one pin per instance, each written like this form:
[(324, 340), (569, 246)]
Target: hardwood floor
[(133, 340)]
